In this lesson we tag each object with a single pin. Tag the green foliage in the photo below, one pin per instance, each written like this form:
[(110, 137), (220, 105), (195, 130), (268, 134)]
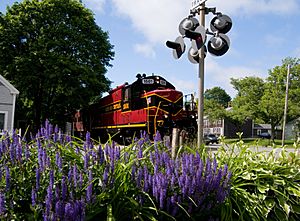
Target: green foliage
[(213, 110), (219, 95), (265, 186), (264, 100), (246, 103), (53, 52)]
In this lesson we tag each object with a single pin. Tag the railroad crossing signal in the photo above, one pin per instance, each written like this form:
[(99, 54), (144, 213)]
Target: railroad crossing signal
[(221, 23), (218, 45), (189, 27), (178, 47), (193, 55)]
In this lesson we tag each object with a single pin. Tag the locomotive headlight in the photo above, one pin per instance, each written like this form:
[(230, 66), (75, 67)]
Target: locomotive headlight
[(166, 116)]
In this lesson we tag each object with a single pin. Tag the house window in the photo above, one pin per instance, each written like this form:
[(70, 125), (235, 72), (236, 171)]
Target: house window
[(3, 120)]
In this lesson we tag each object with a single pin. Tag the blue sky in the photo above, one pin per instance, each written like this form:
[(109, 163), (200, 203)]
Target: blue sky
[(264, 32)]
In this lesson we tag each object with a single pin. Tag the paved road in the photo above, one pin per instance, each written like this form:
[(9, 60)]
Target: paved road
[(214, 148)]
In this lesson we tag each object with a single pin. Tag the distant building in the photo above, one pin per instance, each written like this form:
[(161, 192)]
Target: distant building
[(292, 129), (226, 128), (261, 128), (8, 94)]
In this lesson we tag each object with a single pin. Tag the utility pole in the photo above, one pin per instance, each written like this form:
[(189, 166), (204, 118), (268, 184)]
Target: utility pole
[(201, 81), (285, 103)]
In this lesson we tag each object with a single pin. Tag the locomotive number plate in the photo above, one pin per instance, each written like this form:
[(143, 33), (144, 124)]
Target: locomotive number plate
[(148, 81)]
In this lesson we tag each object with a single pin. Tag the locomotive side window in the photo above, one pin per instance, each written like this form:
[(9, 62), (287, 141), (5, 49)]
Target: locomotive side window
[(126, 99), (126, 94)]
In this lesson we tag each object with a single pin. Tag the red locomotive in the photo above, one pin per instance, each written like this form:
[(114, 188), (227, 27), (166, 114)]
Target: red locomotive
[(149, 104)]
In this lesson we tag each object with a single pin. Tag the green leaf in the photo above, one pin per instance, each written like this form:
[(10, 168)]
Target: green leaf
[(262, 189)]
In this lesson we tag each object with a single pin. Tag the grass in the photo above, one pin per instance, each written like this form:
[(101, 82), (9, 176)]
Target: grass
[(262, 142)]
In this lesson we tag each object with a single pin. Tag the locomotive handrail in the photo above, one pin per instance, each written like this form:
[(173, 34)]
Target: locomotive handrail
[(158, 107), (148, 115)]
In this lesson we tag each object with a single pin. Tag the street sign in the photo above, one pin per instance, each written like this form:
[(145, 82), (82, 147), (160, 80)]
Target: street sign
[(197, 3)]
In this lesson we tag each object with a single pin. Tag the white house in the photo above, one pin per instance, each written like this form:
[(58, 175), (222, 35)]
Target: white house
[(292, 129), (8, 94)]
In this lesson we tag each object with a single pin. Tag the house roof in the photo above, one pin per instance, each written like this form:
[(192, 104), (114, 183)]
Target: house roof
[(8, 85), (262, 126)]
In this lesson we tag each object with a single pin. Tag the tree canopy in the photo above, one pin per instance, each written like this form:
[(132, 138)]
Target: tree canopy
[(219, 95), (264, 100), (55, 54)]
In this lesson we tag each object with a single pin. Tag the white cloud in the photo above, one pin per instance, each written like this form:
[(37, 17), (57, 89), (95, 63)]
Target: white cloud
[(254, 7), (95, 5), (145, 49), (183, 85), (217, 75)]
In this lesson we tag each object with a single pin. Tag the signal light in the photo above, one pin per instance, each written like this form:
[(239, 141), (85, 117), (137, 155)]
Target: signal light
[(198, 37), (193, 55), (188, 24), (178, 47), (218, 45), (221, 23)]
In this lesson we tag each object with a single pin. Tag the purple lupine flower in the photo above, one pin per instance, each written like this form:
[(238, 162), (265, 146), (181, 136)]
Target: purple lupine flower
[(57, 193), (59, 210), (69, 212), (139, 177), (215, 165), (89, 190), (80, 180), (55, 136), (157, 137), (51, 178), (217, 179), (207, 166), (58, 161), (2, 203), (12, 153), (33, 197), (37, 179), (86, 160), (48, 200), (75, 175), (7, 178), (88, 137), (27, 152), (80, 210), (19, 153), (44, 160), (64, 188), (105, 175), (133, 171), (40, 157), (101, 155), (70, 175)]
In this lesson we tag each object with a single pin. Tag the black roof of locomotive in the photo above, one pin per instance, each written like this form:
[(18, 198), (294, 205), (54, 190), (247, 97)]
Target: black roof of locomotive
[(156, 79)]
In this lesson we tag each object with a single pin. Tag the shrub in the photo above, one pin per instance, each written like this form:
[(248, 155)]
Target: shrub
[(264, 186), (58, 177)]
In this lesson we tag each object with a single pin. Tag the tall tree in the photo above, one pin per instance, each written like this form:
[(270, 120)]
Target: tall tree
[(246, 104), (273, 101), (55, 54), (219, 95)]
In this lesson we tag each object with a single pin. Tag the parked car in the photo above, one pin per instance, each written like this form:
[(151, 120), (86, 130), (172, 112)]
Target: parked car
[(210, 139), (265, 135)]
